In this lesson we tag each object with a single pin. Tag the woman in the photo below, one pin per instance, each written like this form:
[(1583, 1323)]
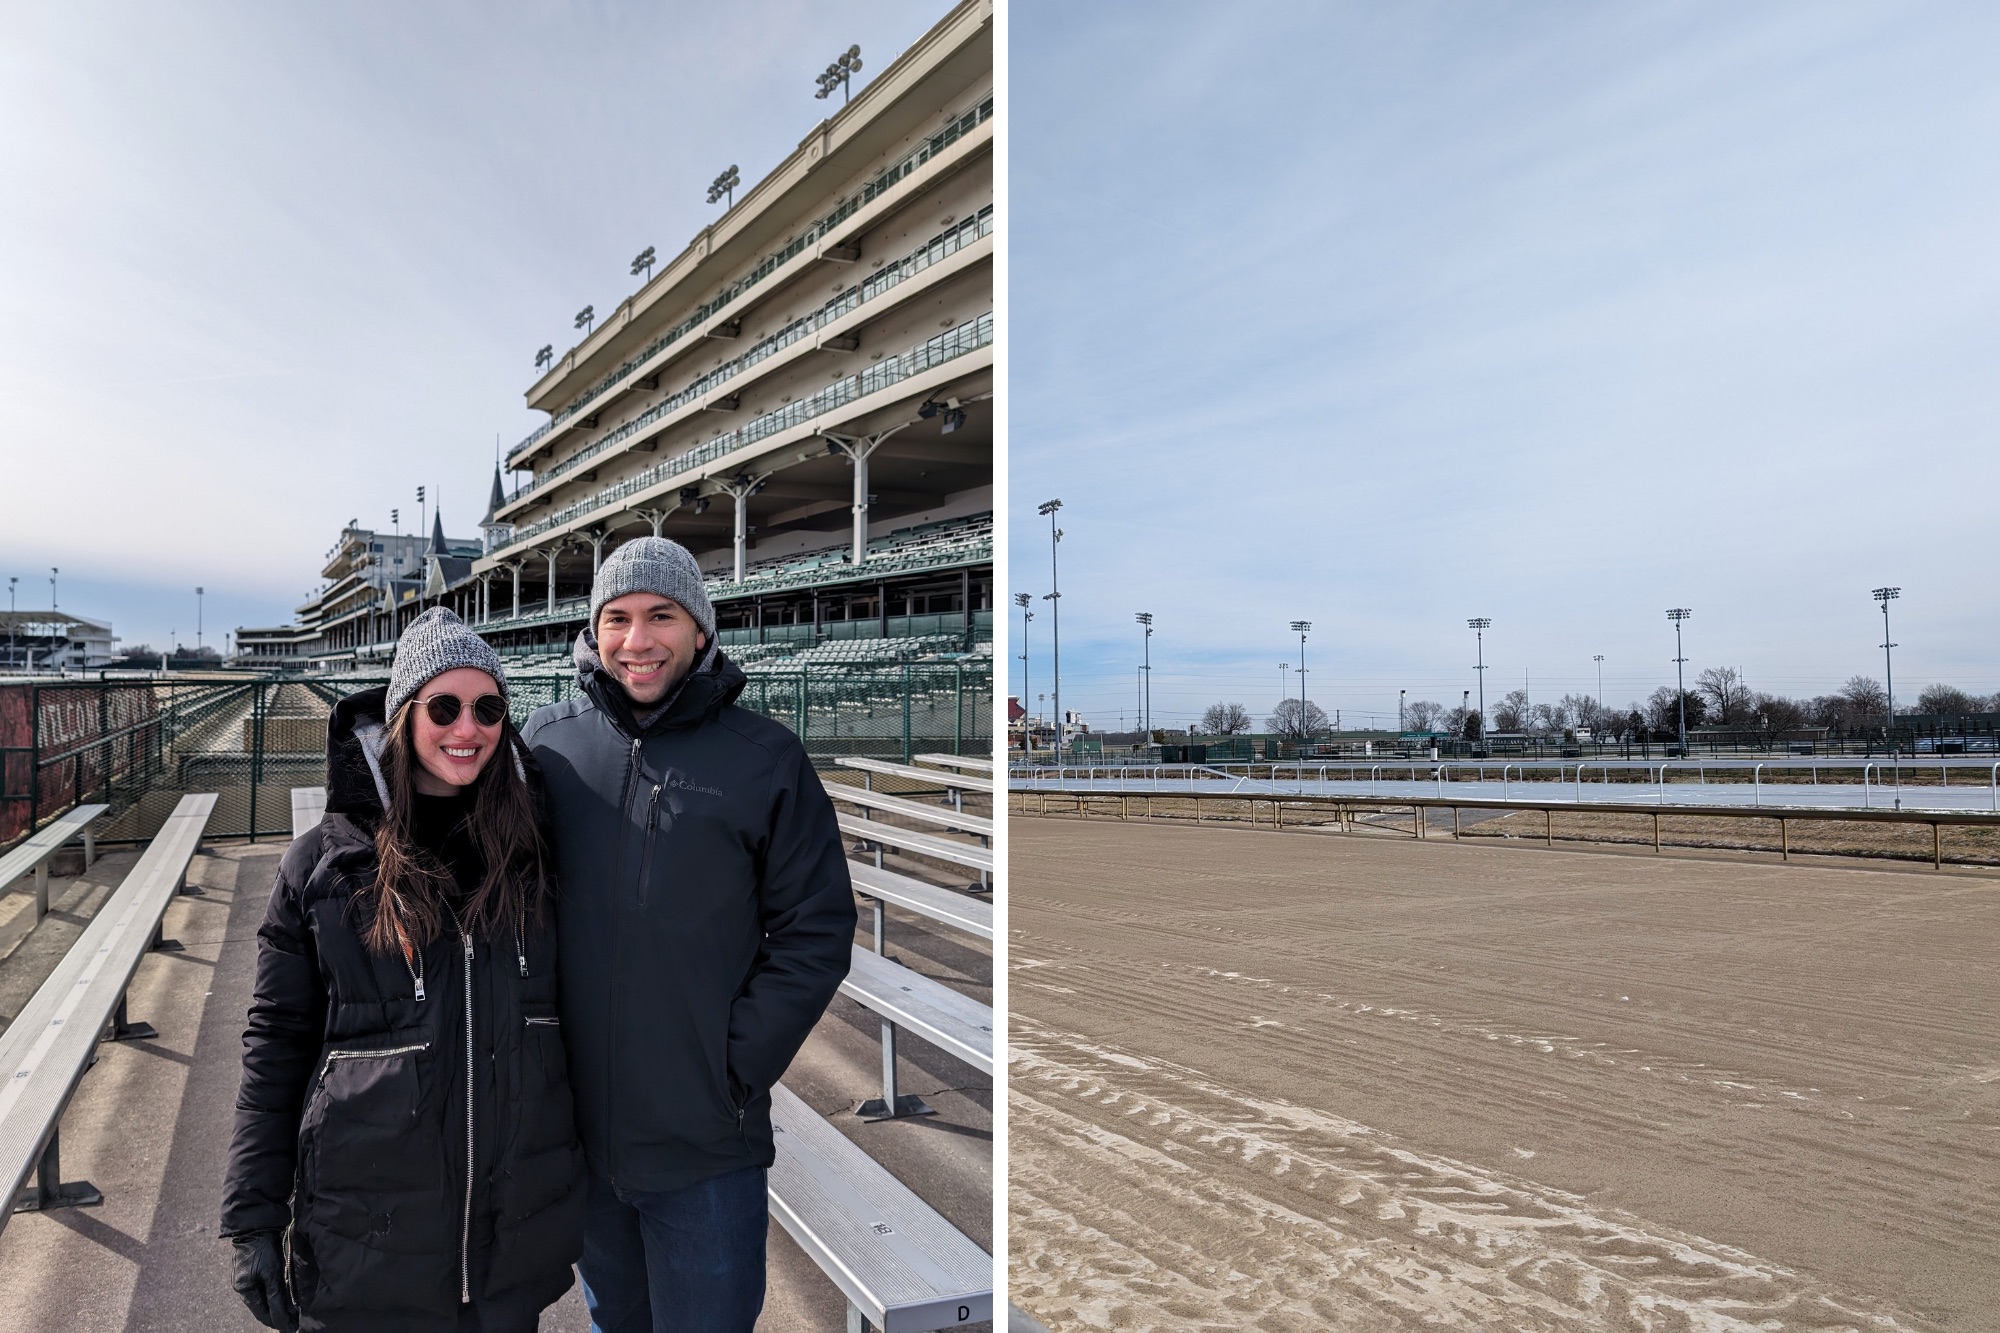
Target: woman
[(405, 1116)]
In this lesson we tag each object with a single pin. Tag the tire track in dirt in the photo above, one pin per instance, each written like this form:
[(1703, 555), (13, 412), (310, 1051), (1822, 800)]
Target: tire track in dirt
[(1261, 1213)]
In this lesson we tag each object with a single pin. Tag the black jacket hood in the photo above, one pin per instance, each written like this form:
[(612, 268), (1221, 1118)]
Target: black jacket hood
[(711, 685), (354, 783)]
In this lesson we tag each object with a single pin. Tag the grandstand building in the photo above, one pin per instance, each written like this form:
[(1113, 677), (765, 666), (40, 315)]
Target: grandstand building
[(802, 397)]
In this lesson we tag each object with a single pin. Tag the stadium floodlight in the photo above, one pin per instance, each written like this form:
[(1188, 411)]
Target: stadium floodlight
[(53, 572), (1886, 596), (953, 419), (197, 622), (586, 319), (724, 185), (1677, 615), (1401, 697), (643, 260), (1599, 659), (545, 357), (1300, 628), (1145, 618), (1054, 598), (1024, 601), (1479, 625), (838, 73)]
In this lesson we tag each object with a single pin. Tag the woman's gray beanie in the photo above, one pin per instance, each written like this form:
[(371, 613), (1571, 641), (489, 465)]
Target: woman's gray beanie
[(656, 565), (436, 642)]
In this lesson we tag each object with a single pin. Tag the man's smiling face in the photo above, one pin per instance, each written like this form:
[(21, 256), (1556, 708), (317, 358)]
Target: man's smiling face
[(647, 643)]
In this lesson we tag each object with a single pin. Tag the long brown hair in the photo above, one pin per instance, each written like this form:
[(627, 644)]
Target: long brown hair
[(505, 824)]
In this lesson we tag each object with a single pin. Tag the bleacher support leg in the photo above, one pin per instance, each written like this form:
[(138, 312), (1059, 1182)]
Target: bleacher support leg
[(49, 1191), (856, 1321), (41, 891), (89, 848), (124, 1029), (161, 944), (890, 1106)]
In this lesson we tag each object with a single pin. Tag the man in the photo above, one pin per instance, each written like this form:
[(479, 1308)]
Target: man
[(706, 920)]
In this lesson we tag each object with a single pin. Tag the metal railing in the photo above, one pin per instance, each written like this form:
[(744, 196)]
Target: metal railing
[(967, 337), (772, 262), (885, 279), (1035, 800)]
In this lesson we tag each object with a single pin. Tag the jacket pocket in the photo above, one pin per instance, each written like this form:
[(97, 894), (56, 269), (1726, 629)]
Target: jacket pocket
[(372, 1155)]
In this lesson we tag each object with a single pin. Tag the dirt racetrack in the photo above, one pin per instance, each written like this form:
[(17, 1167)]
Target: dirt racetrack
[(1285, 1081)]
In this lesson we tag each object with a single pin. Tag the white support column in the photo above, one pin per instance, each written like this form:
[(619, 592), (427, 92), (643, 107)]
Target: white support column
[(857, 449), (597, 536), (550, 555), (741, 488), (515, 565)]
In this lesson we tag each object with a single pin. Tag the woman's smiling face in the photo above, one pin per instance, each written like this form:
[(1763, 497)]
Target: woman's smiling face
[(451, 757)]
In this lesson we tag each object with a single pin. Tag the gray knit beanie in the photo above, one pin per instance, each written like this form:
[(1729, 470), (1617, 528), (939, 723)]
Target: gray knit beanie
[(655, 565), (436, 642)]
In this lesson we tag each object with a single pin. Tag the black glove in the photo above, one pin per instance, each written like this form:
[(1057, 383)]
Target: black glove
[(260, 1280)]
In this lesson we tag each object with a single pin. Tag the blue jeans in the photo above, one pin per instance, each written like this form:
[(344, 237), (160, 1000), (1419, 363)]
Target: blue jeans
[(676, 1261)]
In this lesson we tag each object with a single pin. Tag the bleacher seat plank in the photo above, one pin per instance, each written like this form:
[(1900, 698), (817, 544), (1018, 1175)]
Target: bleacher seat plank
[(45, 1052), (896, 1259), (936, 777), (970, 763), (308, 808), (902, 805), (34, 852), (924, 844), (956, 910), (954, 1023)]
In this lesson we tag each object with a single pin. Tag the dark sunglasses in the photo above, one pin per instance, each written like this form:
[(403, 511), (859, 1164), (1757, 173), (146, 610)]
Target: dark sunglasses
[(487, 709)]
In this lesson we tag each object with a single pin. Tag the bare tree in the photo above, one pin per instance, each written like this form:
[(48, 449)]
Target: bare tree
[(1948, 701), (1779, 713), (1225, 719), (1289, 723), (1511, 713), (1664, 713), (1424, 715), (1579, 710), (1727, 697), (1866, 699)]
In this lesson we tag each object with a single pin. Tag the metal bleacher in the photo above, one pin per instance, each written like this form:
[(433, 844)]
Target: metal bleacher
[(53, 1041)]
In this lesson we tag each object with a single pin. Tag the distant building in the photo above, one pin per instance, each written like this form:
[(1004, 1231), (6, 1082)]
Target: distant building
[(54, 641), (375, 583)]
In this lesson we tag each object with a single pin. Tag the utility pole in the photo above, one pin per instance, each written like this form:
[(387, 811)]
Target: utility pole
[(1677, 615), (1886, 596), (1479, 625), (1054, 599), (1145, 618), (1023, 600), (1599, 659), (1299, 627)]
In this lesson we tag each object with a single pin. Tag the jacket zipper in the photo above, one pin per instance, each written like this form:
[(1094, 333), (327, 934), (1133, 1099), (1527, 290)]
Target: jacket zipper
[(520, 949), (384, 1053), (416, 973), (646, 856), (465, 1218)]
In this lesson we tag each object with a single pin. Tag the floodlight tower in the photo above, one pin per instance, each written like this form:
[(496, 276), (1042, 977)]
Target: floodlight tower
[(1479, 625), (1024, 601), (1599, 659), (1145, 618), (1886, 596), (837, 74), (12, 579), (1054, 599), (197, 621), (643, 262), (724, 185), (1677, 615), (1300, 627), (1401, 697)]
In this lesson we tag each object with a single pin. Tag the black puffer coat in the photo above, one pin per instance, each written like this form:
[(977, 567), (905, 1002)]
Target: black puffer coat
[(352, 1125), (707, 918)]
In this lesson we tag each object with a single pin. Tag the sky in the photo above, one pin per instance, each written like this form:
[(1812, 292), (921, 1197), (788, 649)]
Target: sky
[(1386, 317), (272, 267)]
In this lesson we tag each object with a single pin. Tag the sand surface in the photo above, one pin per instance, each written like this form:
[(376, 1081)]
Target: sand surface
[(1287, 1081)]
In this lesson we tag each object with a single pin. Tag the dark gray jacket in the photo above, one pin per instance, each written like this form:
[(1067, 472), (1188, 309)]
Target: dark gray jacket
[(706, 918)]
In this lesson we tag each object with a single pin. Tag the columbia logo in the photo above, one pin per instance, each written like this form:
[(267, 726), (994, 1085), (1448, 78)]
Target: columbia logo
[(884, 1229)]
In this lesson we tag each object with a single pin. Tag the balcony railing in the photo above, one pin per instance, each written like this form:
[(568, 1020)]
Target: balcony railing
[(888, 277), (770, 264), (967, 337)]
